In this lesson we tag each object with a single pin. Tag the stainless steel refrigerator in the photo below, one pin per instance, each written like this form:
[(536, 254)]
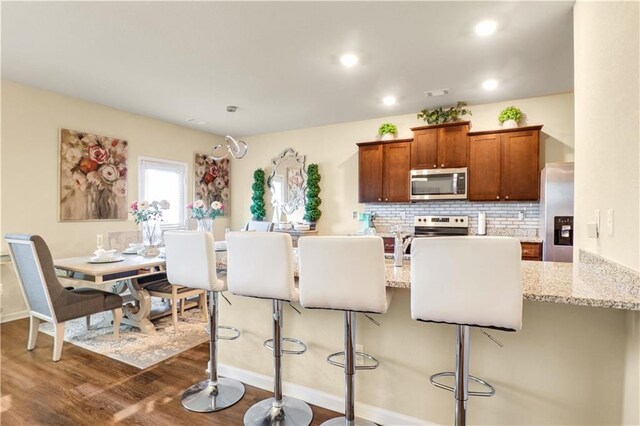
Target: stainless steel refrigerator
[(556, 212)]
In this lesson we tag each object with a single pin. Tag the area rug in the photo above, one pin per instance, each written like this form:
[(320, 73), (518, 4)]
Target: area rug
[(135, 348)]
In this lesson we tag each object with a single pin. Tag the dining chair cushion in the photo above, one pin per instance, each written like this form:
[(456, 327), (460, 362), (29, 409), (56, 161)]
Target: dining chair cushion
[(261, 264), (344, 273), (191, 260), (259, 226), (166, 287), (67, 304), (467, 281)]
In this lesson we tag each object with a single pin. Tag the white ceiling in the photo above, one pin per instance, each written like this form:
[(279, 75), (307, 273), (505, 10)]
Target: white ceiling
[(278, 61)]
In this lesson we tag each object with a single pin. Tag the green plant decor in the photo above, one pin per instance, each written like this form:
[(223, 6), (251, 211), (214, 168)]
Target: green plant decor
[(387, 128), (257, 207), (311, 211), (441, 115), (510, 113)]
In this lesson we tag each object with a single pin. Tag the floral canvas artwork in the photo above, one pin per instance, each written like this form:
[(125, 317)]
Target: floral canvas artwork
[(211, 180), (93, 177)]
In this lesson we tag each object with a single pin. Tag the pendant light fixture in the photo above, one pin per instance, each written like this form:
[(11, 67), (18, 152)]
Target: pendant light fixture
[(237, 148)]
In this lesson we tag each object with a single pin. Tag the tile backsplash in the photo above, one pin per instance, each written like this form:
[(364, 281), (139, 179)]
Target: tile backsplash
[(502, 218)]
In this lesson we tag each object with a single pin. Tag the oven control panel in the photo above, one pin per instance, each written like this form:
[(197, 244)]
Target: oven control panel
[(441, 221)]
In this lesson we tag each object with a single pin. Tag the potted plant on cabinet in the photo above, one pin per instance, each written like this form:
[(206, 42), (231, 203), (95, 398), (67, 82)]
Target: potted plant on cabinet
[(387, 131), (509, 117), (312, 212), (441, 115), (258, 210)]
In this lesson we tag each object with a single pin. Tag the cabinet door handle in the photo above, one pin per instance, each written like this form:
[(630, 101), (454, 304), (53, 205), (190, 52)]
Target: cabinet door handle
[(507, 197), (497, 197), (435, 166), (379, 199), (386, 199), (442, 165), (525, 251)]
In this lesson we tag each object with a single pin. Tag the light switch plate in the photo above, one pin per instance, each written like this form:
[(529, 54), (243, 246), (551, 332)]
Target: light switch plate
[(610, 222)]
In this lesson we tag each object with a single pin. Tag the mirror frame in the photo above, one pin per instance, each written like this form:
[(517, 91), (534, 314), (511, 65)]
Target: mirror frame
[(288, 154)]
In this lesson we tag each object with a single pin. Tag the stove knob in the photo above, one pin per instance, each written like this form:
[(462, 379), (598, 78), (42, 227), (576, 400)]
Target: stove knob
[(456, 220)]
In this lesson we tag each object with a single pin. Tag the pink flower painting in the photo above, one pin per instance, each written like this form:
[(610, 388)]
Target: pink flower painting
[(211, 180), (93, 177)]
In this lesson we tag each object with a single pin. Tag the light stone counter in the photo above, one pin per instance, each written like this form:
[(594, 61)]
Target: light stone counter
[(587, 284)]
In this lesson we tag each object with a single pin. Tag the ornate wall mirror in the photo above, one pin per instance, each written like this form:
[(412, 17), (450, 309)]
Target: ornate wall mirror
[(288, 183)]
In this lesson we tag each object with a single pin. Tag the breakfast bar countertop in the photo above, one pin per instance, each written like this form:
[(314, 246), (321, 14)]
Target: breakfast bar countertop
[(556, 282)]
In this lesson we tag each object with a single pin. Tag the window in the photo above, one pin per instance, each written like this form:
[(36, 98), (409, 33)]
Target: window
[(164, 180)]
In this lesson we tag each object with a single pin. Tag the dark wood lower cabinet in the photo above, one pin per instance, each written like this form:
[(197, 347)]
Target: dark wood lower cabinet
[(531, 251)]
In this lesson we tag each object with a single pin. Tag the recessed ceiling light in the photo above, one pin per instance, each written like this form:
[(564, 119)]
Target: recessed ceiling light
[(389, 100), (486, 28), (490, 84), (349, 60)]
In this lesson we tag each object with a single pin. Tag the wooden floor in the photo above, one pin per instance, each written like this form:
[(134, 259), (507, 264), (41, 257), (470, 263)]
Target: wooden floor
[(85, 388)]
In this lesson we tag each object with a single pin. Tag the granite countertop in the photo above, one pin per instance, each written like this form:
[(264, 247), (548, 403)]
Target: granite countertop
[(584, 284)]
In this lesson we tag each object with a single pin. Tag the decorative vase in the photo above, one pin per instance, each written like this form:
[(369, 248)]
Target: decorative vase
[(205, 224), (387, 137), (151, 236), (509, 124)]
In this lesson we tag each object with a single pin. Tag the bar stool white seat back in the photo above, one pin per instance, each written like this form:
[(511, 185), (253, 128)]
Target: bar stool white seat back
[(261, 264), (191, 263), (466, 281), (347, 274)]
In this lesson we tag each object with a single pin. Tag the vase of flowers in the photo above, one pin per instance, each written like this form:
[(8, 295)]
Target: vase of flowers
[(149, 215), (204, 215)]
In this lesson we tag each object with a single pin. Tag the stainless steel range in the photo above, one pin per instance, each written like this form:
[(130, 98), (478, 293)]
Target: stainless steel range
[(440, 226)]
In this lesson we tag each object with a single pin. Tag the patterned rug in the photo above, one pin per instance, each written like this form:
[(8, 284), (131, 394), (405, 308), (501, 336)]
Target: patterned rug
[(136, 348)]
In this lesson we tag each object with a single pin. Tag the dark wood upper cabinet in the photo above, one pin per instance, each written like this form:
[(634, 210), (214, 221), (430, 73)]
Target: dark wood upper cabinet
[(504, 165), (383, 171), (397, 164), (424, 149), (370, 173), (521, 165), (440, 146), (484, 168)]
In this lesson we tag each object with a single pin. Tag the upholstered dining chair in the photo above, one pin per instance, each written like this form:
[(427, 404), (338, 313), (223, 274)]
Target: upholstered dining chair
[(47, 299), (259, 226)]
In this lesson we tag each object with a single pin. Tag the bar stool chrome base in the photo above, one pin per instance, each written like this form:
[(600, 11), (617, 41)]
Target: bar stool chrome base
[(206, 396), (291, 412), (342, 421)]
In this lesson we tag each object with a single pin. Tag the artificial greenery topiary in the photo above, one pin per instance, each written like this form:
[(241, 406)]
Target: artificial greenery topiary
[(311, 211), (510, 113), (387, 128), (257, 207), (441, 115)]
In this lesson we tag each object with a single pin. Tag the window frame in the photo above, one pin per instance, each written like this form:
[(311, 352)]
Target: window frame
[(185, 196)]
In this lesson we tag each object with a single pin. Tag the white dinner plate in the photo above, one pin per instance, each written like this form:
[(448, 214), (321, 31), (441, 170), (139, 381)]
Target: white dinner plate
[(105, 259), (130, 252)]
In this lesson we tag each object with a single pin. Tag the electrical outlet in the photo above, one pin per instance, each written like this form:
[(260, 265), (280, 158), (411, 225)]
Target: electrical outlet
[(610, 222), (403, 215), (359, 358), (520, 215), (355, 215)]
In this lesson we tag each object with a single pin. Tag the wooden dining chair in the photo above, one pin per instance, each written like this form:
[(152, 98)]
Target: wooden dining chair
[(47, 299), (176, 294)]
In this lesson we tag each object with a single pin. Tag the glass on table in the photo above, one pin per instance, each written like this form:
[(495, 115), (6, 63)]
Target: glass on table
[(100, 241)]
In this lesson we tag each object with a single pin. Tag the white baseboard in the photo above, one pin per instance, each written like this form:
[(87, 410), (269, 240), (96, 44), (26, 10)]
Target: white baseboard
[(321, 399), (13, 316)]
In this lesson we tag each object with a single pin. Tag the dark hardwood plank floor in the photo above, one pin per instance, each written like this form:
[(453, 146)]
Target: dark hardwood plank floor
[(85, 388)]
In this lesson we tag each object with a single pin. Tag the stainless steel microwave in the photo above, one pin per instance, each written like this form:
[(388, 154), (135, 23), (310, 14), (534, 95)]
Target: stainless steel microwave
[(439, 184)]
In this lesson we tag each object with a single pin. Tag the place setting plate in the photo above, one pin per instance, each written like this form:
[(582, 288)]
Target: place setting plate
[(105, 259)]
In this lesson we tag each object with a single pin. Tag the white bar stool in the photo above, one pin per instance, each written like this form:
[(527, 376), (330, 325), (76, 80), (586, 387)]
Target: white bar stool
[(466, 281), (346, 274), (191, 263), (261, 264)]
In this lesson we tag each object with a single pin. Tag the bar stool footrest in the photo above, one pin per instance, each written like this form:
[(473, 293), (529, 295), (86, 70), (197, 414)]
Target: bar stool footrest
[(434, 382), (331, 360), (236, 333), (269, 345)]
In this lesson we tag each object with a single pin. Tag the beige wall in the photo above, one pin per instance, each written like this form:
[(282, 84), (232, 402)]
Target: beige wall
[(607, 115), (334, 149), (607, 127), (31, 119)]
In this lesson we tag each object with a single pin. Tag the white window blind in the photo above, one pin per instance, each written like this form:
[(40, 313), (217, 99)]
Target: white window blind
[(164, 180)]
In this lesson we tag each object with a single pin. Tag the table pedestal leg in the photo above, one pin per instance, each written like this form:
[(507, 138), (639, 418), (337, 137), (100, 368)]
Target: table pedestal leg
[(138, 316)]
